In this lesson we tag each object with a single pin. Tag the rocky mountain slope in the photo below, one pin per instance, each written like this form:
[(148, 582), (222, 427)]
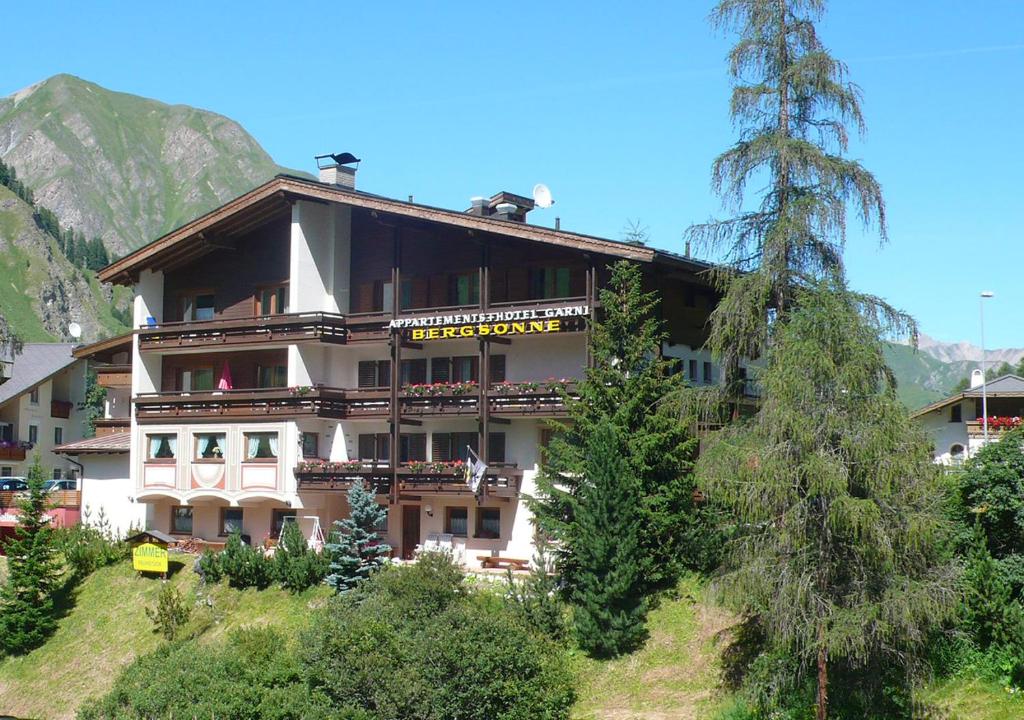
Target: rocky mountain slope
[(120, 167), (966, 352)]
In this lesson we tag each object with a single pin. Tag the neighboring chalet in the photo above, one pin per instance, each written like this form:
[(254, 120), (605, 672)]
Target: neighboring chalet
[(307, 335), (106, 486), (955, 423)]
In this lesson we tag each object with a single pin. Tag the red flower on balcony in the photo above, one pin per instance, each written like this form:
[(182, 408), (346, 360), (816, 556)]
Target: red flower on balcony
[(998, 422)]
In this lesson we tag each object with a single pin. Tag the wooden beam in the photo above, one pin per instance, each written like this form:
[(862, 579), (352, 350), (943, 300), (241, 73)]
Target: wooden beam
[(409, 421), (499, 420)]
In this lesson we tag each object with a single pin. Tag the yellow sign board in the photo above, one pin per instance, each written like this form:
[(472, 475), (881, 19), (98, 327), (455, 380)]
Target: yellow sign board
[(499, 323), (149, 557)]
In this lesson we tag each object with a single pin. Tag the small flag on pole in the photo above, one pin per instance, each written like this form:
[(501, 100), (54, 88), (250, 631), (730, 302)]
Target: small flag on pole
[(476, 469)]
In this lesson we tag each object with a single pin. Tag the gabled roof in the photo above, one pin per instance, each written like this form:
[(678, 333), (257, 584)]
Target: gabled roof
[(271, 199), (114, 443), (1002, 386), (103, 350), (35, 364)]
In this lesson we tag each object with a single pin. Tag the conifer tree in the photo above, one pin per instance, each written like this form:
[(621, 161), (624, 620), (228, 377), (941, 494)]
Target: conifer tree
[(27, 616), (356, 549), (610, 606), (625, 387)]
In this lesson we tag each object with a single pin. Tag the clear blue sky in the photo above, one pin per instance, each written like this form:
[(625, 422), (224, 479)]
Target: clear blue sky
[(618, 107)]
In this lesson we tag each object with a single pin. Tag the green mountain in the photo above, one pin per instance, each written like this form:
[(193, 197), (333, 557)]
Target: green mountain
[(922, 378), (120, 167), (123, 167)]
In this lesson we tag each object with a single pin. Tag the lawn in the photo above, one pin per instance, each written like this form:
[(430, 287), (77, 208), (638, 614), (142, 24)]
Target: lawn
[(107, 627)]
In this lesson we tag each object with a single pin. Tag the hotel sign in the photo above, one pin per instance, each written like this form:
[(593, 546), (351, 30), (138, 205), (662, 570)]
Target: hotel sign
[(495, 323), (149, 557)]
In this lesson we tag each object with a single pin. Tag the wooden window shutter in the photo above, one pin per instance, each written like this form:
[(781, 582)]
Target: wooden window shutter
[(418, 446), (367, 447), (440, 369), (496, 447), (497, 368), (383, 447), (440, 447), (414, 371), (367, 374), (383, 373)]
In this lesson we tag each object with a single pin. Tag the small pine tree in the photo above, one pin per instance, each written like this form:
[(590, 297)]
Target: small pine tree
[(296, 565), (610, 608), (33, 570), (356, 550), (171, 612)]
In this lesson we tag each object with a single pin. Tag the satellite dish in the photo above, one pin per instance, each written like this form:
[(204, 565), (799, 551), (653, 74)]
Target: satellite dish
[(542, 196), (75, 330)]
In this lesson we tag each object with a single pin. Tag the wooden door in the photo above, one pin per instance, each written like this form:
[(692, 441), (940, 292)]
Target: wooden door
[(410, 530)]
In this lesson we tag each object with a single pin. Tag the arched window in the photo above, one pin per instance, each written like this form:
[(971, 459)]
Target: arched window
[(956, 451)]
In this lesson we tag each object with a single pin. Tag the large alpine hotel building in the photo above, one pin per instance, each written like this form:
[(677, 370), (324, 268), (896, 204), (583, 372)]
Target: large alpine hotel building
[(307, 334)]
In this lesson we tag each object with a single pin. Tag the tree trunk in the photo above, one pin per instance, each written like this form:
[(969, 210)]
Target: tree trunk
[(822, 710)]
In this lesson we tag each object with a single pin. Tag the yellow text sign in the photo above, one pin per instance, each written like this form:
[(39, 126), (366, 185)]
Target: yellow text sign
[(149, 557)]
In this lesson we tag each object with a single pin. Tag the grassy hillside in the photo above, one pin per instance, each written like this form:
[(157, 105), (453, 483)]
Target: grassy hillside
[(921, 378), (107, 627)]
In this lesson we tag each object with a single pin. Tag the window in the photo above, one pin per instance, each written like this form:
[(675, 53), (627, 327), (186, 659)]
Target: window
[(33, 434), (414, 372), (210, 446), (382, 526), (464, 289), (957, 451), (456, 521), (452, 446), (488, 523), (549, 282), (198, 379), (197, 306), (181, 520), (272, 376), (375, 447), (310, 444), (692, 371), (261, 446), (956, 413), (708, 378), (162, 446), (6, 471), (33, 396), (277, 521), (7, 432), (374, 373), (464, 369), (58, 435), (230, 520), (272, 300), (58, 474), (412, 447)]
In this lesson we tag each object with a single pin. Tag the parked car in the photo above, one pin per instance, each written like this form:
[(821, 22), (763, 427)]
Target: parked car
[(13, 484), (52, 485)]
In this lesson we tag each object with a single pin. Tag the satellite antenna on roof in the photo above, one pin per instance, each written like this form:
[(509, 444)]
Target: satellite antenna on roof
[(542, 196), (75, 330)]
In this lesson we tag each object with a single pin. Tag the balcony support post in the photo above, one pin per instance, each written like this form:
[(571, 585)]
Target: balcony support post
[(396, 360), (591, 282)]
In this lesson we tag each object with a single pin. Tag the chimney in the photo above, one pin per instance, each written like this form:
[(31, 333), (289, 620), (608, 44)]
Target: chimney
[(478, 206), (334, 169), (977, 378)]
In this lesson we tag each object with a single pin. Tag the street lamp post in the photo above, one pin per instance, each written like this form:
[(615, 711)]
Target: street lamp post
[(984, 378)]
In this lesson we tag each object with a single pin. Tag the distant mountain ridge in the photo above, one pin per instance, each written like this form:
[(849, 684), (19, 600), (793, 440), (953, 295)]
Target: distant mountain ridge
[(121, 167), (964, 351)]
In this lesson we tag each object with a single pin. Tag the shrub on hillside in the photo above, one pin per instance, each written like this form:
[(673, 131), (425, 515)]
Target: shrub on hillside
[(172, 611), (251, 676), (245, 566), (414, 642), (296, 565), (209, 568), (88, 546)]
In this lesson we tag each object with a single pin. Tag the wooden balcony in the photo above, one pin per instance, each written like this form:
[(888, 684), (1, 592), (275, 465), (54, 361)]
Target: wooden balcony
[(976, 428), (291, 328), (55, 499), (61, 409), (14, 454), (260, 404), (114, 376), (110, 426), (502, 480)]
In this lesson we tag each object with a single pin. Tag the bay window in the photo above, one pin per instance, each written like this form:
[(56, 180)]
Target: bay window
[(261, 446)]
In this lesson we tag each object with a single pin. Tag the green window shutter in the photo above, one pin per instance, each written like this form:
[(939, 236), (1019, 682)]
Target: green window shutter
[(562, 282)]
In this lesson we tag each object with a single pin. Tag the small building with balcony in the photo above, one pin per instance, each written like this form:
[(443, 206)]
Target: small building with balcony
[(307, 335), (956, 423)]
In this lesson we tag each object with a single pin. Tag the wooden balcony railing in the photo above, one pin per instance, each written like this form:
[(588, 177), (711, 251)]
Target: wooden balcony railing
[(60, 409), (976, 428), (502, 479), (114, 376), (294, 327), (14, 454), (56, 499), (109, 426)]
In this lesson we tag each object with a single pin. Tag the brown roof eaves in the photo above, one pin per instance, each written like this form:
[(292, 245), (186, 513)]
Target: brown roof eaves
[(118, 343), (292, 187), (113, 444)]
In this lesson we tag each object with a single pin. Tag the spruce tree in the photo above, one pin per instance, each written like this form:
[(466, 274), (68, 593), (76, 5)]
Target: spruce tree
[(356, 549), (27, 616), (608, 597), (626, 387)]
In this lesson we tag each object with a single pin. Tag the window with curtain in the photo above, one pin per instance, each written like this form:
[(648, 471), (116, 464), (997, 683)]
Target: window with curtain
[(413, 447), (488, 523), (181, 520), (310, 444), (33, 434), (413, 372), (162, 446), (456, 521), (375, 447), (261, 446), (465, 289), (211, 446), (230, 520), (272, 300), (272, 376), (198, 379), (464, 369), (549, 282)]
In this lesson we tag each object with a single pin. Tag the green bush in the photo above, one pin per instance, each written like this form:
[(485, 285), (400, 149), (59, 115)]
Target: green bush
[(296, 566), (250, 676), (245, 566), (535, 598), (209, 567), (89, 546), (414, 642), (172, 611)]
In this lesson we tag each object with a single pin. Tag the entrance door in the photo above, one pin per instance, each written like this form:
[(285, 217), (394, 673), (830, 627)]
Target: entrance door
[(410, 530)]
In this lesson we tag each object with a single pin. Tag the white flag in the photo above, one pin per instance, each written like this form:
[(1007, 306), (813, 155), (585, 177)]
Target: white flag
[(475, 471)]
